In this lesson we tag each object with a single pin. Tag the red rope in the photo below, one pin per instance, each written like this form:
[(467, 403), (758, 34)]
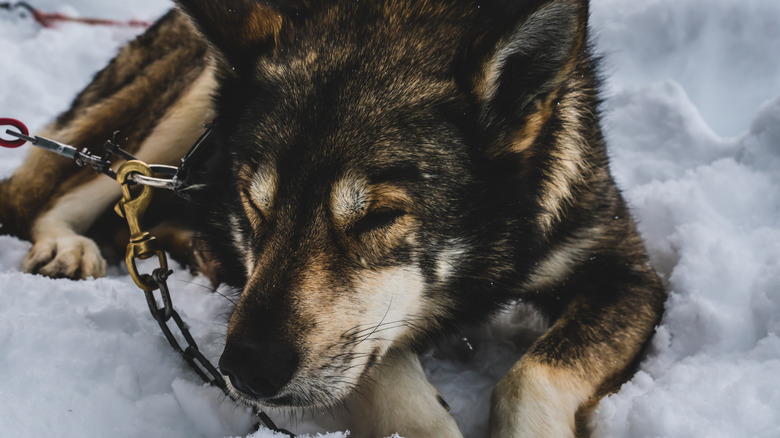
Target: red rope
[(49, 20)]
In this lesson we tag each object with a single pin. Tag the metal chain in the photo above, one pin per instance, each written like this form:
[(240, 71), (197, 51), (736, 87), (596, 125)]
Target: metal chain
[(143, 246)]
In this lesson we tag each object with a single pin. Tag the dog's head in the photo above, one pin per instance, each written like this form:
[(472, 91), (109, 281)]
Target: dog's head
[(357, 151)]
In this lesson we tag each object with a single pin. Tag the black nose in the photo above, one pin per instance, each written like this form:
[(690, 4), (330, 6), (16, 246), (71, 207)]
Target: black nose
[(258, 369)]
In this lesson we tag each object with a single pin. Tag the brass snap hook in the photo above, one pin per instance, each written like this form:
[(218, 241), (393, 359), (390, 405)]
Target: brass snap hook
[(129, 207), (142, 245)]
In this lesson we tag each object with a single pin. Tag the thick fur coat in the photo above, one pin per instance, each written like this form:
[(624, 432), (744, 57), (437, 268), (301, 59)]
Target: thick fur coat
[(380, 174)]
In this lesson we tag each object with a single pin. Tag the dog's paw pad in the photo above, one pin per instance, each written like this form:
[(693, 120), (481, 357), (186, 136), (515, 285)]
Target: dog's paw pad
[(75, 257)]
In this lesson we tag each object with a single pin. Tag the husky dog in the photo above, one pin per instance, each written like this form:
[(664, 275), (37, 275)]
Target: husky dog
[(380, 175)]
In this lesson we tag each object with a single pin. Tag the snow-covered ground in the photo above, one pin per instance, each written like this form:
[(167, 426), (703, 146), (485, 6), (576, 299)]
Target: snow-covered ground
[(693, 122)]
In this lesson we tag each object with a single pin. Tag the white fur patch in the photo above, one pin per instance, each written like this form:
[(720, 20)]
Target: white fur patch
[(448, 260), (354, 329), (263, 188), (402, 401), (393, 300)]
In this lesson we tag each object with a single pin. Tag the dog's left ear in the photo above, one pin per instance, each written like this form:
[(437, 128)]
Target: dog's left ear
[(517, 69), (238, 30)]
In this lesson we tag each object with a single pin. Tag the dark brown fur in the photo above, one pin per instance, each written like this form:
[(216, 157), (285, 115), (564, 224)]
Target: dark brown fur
[(358, 141)]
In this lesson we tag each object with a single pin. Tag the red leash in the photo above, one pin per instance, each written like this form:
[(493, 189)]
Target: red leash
[(49, 20)]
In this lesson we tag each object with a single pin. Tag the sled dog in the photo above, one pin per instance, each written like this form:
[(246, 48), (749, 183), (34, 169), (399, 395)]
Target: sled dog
[(380, 175)]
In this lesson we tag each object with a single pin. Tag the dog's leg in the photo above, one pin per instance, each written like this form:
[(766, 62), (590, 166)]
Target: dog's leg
[(538, 399), (399, 399), (130, 95), (60, 249), (156, 92), (30, 188), (589, 350)]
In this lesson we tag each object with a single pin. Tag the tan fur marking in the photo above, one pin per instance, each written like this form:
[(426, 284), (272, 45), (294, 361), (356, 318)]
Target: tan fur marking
[(28, 190), (388, 196), (349, 200), (240, 243), (264, 23), (562, 261), (570, 143), (524, 138), (78, 209), (106, 115), (390, 296), (353, 198), (567, 169), (258, 191), (537, 400), (182, 125)]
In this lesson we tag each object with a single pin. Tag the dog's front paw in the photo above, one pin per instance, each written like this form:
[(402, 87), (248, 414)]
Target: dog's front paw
[(75, 257), (536, 399)]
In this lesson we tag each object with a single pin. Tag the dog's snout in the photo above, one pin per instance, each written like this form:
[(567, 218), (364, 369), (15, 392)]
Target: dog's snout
[(258, 369)]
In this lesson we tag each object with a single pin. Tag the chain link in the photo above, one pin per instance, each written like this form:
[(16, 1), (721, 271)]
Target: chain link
[(143, 245)]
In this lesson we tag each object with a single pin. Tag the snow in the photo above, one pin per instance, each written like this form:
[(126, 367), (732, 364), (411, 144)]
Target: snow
[(693, 122)]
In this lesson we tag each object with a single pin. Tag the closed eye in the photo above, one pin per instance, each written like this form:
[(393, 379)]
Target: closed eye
[(376, 220), (257, 213)]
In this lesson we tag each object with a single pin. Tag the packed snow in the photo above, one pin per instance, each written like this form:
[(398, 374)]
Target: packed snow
[(692, 117)]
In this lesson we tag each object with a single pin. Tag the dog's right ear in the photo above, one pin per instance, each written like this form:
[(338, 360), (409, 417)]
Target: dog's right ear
[(238, 30), (519, 67)]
